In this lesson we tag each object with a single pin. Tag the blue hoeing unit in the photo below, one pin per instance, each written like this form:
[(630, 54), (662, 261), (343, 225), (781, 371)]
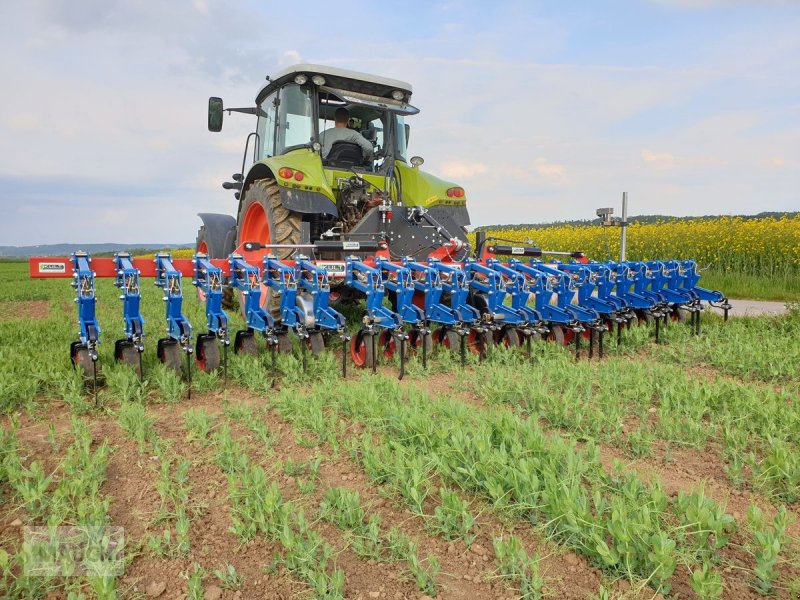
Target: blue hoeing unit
[(409, 305)]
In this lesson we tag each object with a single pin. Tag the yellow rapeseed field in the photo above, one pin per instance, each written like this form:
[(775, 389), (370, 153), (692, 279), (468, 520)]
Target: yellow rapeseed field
[(766, 246)]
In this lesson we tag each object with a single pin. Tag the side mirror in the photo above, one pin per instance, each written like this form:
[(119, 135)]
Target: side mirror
[(407, 127), (215, 114)]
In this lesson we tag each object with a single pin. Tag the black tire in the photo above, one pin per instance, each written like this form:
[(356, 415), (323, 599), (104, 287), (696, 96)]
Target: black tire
[(208, 354), (644, 318), (247, 345), (83, 362), (508, 337), (679, 314), (284, 343), (415, 342), (262, 215), (130, 356), (556, 335), (451, 340), (171, 355), (316, 343)]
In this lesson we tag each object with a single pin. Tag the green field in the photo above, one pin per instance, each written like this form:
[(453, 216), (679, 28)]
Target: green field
[(667, 469)]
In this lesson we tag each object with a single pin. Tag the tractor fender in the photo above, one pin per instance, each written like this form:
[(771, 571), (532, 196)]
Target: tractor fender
[(303, 201), (220, 233), (295, 199)]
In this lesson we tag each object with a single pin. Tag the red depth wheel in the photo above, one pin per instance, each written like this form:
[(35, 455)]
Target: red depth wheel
[(361, 349)]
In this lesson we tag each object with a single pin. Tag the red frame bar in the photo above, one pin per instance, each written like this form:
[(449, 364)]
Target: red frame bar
[(47, 267)]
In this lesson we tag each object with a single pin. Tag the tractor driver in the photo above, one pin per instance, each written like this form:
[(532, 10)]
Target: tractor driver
[(341, 133)]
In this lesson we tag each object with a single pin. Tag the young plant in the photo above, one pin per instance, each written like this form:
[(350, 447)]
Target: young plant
[(198, 424), (229, 579), (769, 539), (518, 567), (133, 418), (168, 383), (452, 517), (195, 583), (707, 583), (342, 507)]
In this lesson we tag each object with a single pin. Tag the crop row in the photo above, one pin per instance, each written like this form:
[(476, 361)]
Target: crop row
[(629, 528), (69, 496), (631, 403)]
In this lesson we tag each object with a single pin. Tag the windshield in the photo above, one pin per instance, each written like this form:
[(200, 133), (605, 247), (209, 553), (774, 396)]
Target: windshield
[(383, 129)]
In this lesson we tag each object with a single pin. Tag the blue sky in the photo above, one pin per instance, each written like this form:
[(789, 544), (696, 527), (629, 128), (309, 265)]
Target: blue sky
[(542, 110)]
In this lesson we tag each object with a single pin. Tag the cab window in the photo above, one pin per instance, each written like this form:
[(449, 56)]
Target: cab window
[(295, 118), (266, 127)]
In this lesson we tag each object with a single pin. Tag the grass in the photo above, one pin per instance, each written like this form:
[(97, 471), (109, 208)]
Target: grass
[(753, 287)]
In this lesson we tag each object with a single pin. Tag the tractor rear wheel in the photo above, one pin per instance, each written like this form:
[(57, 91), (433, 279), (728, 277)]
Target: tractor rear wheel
[(264, 219)]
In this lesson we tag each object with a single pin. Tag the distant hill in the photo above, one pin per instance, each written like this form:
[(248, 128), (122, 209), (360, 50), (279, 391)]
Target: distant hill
[(636, 219), (95, 249)]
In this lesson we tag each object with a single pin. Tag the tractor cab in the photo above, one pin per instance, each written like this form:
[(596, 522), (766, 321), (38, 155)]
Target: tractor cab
[(299, 105)]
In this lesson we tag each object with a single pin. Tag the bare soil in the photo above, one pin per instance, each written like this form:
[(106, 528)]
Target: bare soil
[(23, 310)]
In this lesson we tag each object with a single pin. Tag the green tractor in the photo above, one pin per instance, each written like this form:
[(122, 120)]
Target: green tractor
[(294, 191)]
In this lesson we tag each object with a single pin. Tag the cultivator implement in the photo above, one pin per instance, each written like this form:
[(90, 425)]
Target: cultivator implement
[(409, 305)]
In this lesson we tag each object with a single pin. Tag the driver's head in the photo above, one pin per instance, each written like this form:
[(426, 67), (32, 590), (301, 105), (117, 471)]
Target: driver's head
[(341, 116)]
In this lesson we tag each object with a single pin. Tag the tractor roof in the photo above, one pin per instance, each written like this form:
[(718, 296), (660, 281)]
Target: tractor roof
[(339, 78)]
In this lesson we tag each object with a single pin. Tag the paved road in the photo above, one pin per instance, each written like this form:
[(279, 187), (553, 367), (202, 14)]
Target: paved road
[(752, 308)]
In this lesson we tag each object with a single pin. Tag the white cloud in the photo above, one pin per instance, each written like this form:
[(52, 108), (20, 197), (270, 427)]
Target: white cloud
[(290, 57), (549, 170), (462, 170), (774, 161), (658, 160)]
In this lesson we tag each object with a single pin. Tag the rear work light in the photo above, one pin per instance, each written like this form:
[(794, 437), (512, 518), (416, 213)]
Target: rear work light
[(455, 192)]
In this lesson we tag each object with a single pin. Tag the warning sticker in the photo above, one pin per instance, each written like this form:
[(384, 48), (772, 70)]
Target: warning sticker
[(517, 250), (350, 245)]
